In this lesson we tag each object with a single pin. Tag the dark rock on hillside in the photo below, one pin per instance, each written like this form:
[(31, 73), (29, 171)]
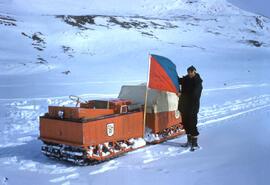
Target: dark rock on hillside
[(7, 21)]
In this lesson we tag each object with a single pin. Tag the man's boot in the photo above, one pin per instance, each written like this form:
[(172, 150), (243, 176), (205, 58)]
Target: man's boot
[(188, 143), (194, 143)]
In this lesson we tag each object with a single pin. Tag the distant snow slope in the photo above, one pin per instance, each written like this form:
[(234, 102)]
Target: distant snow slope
[(50, 49), (155, 8), (259, 6)]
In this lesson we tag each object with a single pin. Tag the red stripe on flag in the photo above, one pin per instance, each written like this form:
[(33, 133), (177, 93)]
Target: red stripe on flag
[(158, 78)]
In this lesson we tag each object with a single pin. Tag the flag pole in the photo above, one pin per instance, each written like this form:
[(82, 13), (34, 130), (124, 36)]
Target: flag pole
[(146, 94)]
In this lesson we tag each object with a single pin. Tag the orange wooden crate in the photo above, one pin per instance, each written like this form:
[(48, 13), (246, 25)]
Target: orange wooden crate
[(114, 103), (77, 113)]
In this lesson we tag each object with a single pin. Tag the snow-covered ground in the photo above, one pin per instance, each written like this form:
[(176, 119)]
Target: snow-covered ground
[(259, 6), (50, 49)]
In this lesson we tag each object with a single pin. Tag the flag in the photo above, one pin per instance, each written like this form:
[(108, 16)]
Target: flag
[(162, 74)]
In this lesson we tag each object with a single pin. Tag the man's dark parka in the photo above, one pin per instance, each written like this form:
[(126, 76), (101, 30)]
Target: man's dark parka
[(191, 89)]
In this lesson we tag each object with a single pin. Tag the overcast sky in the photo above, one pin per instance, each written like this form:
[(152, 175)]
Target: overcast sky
[(257, 6)]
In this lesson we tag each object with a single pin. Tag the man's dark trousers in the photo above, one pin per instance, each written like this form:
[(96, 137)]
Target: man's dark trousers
[(190, 123)]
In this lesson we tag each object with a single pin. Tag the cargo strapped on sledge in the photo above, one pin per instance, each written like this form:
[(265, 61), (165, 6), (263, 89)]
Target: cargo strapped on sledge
[(163, 120)]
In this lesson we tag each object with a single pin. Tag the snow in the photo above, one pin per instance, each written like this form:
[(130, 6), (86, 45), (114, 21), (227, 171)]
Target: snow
[(149, 136), (63, 178), (137, 143), (213, 35), (112, 7), (111, 165), (259, 6)]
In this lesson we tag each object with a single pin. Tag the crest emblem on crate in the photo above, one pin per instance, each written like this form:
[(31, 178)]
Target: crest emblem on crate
[(110, 129), (177, 114)]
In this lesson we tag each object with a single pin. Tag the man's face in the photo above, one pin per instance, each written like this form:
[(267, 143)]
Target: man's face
[(191, 74)]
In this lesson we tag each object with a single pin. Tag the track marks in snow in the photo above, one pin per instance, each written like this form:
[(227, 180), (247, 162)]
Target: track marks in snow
[(220, 112), (36, 166), (232, 116), (170, 151), (233, 87), (150, 157), (65, 178), (110, 165), (66, 173)]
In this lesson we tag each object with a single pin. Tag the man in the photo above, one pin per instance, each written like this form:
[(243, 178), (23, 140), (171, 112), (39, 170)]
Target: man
[(189, 104)]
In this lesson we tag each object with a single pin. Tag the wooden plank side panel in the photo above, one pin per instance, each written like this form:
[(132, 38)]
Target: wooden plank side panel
[(125, 126), (162, 120), (91, 113), (61, 130)]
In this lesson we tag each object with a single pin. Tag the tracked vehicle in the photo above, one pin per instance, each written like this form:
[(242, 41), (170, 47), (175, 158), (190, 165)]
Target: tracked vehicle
[(97, 130)]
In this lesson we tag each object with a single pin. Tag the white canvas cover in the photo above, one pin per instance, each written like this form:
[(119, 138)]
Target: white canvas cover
[(158, 101)]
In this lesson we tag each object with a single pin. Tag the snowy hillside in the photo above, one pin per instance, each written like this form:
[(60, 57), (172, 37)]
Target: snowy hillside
[(260, 7), (157, 8), (50, 49)]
